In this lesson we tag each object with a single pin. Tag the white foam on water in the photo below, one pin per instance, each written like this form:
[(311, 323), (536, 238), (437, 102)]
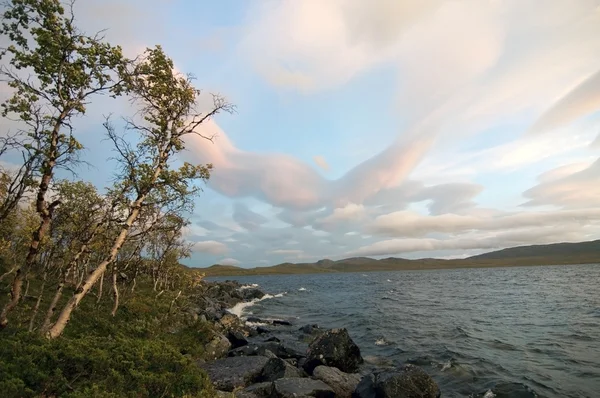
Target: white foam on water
[(255, 324), (239, 308), (446, 366), (489, 394), (251, 286), (381, 341), (302, 289), (389, 280)]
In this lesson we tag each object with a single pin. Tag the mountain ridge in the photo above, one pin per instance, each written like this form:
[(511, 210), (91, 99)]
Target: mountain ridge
[(563, 253)]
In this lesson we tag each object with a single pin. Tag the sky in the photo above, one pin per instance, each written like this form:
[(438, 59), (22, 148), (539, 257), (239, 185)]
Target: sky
[(383, 128)]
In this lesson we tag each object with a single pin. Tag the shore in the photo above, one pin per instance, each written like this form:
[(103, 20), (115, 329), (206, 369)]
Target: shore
[(250, 357)]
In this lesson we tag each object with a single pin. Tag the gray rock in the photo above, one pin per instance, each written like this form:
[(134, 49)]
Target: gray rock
[(229, 373), (237, 338), (282, 350), (261, 390), (282, 322), (251, 294), (409, 381), (277, 368), (262, 330), (343, 384), (333, 348), (217, 347), (301, 387), (309, 329)]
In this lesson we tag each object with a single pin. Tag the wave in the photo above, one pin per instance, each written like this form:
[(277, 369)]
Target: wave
[(250, 286), (239, 308), (489, 394), (381, 341), (302, 289)]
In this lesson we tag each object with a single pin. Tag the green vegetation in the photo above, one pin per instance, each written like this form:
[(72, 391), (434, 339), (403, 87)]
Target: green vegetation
[(552, 254), (93, 299)]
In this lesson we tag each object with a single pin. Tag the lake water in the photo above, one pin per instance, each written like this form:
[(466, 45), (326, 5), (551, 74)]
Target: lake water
[(505, 332)]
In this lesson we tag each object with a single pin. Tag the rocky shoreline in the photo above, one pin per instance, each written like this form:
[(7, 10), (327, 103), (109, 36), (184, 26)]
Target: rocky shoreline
[(256, 358)]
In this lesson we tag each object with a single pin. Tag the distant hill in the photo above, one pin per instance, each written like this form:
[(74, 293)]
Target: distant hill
[(552, 254)]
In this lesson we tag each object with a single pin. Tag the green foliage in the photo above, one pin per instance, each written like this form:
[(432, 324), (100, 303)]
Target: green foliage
[(97, 366)]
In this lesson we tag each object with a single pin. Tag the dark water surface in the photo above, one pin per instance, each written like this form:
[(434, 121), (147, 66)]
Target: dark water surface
[(526, 331)]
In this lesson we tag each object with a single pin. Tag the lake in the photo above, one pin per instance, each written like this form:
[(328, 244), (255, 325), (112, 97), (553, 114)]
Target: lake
[(505, 332)]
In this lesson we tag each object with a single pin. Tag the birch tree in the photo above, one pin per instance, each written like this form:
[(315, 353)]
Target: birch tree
[(53, 70), (169, 110)]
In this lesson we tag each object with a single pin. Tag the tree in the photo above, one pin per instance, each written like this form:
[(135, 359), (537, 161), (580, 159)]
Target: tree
[(53, 70), (169, 110)]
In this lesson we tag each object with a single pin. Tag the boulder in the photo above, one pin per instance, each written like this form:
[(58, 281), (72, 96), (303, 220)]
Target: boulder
[(230, 321), (262, 330), (333, 348), (282, 322), (254, 319), (410, 381), (230, 373), (237, 338), (343, 384), (309, 329), (217, 347), (282, 350), (251, 294), (301, 387), (259, 390), (277, 368)]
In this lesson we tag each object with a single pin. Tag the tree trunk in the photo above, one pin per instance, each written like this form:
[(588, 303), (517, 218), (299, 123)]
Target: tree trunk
[(133, 285), (45, 212), (173, 302), (93, 277), (115, 292), (37, 304), (100, 289)]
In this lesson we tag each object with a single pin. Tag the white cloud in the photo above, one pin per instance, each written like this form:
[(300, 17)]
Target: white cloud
[(210, 247), (229, 261)]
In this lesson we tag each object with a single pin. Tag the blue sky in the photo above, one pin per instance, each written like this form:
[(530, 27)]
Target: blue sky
[(421, 128)]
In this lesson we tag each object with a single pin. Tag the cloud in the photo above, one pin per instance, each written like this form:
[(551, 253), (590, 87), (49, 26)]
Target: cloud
[(229, 261), (210, 247), (284, 181), (558, 188), (538, 235), (321, 162), (247, 218), (582, 100), (411, 224)]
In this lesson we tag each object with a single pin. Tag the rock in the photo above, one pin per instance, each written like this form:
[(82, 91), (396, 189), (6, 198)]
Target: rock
[(277, 368), (222, 394), (343, 384), (217, 347), (262, 390), (309, 329), (230, 321), (292, 361), (333, 348), (254, 319), (237, 339), (282, 350), (282, 322), (410, 381), (301, 387), (262, 330), (273, 338), (230, 373), (244, 394), (251, 294), (268, 354)]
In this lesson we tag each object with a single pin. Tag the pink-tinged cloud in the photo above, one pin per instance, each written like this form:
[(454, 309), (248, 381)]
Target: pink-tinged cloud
[(210, 247), (580, 189), (582, 100), (284, 181)]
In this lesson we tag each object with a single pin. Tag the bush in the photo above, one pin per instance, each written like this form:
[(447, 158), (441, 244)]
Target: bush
[(97, 367)]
